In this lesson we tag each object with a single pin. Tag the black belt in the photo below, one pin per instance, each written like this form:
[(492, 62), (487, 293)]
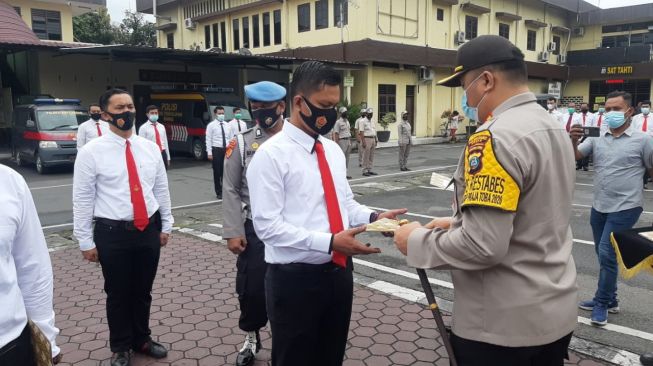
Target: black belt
[(305, 267), (370, 137), (126, 225), (343, 138)]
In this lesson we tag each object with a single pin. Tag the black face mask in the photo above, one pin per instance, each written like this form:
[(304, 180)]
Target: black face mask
[(96, 116), (266, 117), (369, 116), (584, 110), (321, 120), (123, 121)]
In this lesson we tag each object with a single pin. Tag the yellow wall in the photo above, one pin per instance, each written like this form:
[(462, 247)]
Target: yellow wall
[(577, 88), (26, 7), (590, 40)]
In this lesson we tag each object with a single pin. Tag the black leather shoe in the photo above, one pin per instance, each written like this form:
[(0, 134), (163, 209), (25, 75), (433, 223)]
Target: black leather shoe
[(646, 359), (120, 359), (349, 177), (153, 349), (372, 173), (366, 174)]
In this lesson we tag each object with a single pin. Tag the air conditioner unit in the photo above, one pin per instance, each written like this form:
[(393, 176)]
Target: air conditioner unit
[(460, 37), (543, 56), (562, 59), (578, 31), (425, 73), (189, 23), (552, 46)]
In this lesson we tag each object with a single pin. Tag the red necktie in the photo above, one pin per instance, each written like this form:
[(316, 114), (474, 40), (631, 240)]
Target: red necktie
[(569, 122), (645, 125), (600, 117), (331, 198), (99, 131), (136, 191), (157, 136), (583, 119)]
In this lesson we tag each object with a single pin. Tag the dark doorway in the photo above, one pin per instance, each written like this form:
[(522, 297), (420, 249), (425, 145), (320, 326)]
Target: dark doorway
[(410, 106), (141, 101), (639, 88)]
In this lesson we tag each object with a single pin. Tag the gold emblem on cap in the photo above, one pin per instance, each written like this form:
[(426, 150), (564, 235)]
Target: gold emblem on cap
[(458, 68), (255, 145)]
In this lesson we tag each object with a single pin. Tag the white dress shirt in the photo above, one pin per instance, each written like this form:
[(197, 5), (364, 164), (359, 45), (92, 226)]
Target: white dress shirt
[(557, 116), (638, 123), (87, 131), (214, 135), (287, 198), (588, 120), (575, 120), (25, 268), (101, 184), (238, 126), (147, 131)]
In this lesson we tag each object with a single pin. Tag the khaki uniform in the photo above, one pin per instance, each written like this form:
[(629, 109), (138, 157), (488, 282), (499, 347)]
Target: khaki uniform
[(368, 128), (509, 245), (343, 129), (357, 126), (405, 140)]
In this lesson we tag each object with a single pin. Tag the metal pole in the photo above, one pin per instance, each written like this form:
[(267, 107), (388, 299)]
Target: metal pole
[(436, 315)]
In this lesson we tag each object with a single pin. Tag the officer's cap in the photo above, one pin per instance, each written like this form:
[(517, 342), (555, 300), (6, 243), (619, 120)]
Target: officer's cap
[(481, 51), (265, 91), (404, 113), (370, 110), (342, 109)]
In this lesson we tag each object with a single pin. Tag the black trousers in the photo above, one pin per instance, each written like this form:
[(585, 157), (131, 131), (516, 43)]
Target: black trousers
[(218, 169), (129, 260), (165, 159), (309, 308), (19, 351), (473, 353), (250, 282)]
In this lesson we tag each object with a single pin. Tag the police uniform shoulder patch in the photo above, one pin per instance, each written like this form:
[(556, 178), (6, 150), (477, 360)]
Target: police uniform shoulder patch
[(487, 183), (230, 148)]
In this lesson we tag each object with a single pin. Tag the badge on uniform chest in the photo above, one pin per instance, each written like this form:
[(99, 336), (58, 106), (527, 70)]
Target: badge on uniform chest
[(255, 145)]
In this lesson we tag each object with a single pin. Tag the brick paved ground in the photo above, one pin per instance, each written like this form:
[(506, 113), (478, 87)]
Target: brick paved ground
[(195, 314)]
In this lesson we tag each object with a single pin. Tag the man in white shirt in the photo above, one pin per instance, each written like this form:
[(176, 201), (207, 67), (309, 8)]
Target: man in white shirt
[(25, 274), (94, 127), (237, 124), (367, 132), (643, 121), (552, 109), (156, 133), (571, 117), (120, 182), (301, 206), (586, 119), (599, 119), (218, 134)]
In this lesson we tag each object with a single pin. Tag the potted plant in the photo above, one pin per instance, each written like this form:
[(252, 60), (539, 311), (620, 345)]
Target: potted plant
[(385, 121)]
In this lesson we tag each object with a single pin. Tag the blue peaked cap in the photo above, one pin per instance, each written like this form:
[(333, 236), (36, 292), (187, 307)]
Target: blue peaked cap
[(265, 91)]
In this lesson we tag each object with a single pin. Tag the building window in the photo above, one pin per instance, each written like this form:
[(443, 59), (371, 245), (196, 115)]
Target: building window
[(387, 99), (17, 8), (471, 27), (223, 36), (336, 12), (207, 36), (170, 40), (215, 35), (277, 27), (266, 29), (256, 37), (246, 32), (556, 40), (321, 14), (531, 40), (304, 17), (439, 14), (504, 30), (236, 28), (46, 24)]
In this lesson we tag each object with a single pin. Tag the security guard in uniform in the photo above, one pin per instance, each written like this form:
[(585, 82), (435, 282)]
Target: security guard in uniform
[(267, 106), (509, 242), (367, 132), (342, 135), (404, 140)]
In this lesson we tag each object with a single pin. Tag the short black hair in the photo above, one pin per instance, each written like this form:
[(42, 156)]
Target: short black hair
[(216, 109), (515, 70), (93, 105), (552, 99), (150, 107), (104, 98), (646, 102), (236, 110), (620, 93), (455, 113), (311, 76)]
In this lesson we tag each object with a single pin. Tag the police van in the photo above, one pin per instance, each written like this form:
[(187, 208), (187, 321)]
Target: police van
[(45, 132), (186, 113)]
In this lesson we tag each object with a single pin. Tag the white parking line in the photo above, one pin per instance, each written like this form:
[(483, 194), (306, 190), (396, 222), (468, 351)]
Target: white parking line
[(404, 173), (399, 272), (48, 187), (589, 206)]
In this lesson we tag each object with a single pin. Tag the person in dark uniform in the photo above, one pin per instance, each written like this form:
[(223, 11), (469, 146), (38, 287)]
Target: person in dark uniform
[(267, 105)]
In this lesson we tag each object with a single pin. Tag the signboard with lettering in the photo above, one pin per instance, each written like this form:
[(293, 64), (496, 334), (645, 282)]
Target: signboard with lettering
[(554, 89), (348, 81), (617, 70)]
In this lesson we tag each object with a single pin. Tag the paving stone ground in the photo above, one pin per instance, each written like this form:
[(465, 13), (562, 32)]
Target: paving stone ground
[(195, 314)]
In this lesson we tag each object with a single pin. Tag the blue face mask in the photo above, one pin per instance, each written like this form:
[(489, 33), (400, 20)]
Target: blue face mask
[(153, 117), (220, 117), (601, 110), (471, 112), (615, 119)]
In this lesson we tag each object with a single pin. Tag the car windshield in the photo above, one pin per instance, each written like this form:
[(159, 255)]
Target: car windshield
[(62, 119)]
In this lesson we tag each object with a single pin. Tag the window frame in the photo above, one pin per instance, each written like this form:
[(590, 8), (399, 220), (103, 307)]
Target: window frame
[(387, 98), (245, 27), (276, 20), (170, 40), (223, 36), (321, 14), (256, 29), (504, 28), (50, 19), (266, 29), (303, 17), (336, 12), (207, 36), (439, 14), (235, 27), (471, 22), (531, 40)]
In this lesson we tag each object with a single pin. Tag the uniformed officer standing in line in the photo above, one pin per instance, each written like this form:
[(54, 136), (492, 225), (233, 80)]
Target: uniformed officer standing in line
[(509, 242), (237, 124), (156, 133), (359, 142), (367, 133), (218, 133), (267, 106), (405, 140), (342, 135), (120, 183), (94, 127)]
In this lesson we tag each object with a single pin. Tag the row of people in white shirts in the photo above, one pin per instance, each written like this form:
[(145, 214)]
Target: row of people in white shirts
[(642, 121), (214, 131)]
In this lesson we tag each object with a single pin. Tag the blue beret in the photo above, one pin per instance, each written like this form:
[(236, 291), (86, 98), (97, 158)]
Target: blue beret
[(265, 91)]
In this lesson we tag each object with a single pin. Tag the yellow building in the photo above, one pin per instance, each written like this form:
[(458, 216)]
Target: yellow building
[(404, 44)]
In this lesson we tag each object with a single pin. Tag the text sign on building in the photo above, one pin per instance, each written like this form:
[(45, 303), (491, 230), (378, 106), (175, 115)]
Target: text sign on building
[(348, 81), (616, 70), (554, 89)]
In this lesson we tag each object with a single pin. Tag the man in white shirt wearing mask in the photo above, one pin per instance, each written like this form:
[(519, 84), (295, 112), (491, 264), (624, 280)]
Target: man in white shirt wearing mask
[(642, 121), (552, 108), (156, 133), (237, 124), (25, 274), (94, 127), (218, 134)]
